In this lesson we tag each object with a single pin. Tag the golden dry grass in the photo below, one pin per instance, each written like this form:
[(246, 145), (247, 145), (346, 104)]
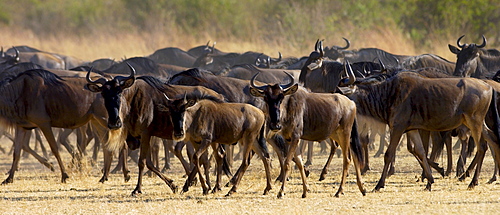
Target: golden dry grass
[(36, 190)]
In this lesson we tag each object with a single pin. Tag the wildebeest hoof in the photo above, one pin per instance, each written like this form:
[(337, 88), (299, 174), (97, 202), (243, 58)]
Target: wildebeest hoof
[(493, 179), (103, 179), (216, 189), (64, 177), (136, 192), (7, 181), (127, 178), (307, 172)]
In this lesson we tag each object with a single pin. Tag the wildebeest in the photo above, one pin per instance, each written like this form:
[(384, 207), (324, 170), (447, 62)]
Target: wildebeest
[(132, 107), (207, 121), (428, 60), (336, 52), (474, 61), (142, 66), (205, 49), (39, 99), (408, 102), (247, 71), (298, 114), (173, 56)]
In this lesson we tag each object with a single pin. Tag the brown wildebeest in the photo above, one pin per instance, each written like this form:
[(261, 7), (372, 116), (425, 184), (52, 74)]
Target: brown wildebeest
[(209, 121), (38, 98), (408, 102), (132, 107), (299, 114)]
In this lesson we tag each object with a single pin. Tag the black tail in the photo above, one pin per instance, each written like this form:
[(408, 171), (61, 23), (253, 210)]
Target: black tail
[(262, 141), (496, 119), (356, 148), (281, 145), (225, 161)]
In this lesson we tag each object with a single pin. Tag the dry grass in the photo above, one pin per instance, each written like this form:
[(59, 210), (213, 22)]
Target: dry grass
[(121, 45), (36, 190)]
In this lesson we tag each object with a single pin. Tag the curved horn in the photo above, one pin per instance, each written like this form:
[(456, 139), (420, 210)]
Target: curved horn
[(280, 56), (17, 54), (252, 83), (316, 45), (268, 63), (350, 73), (99, 81), (321, 48), (458, 42), (483, 44), (208, 44), (286, 86), (2, 54), (382, 66), (132, 70), (348, 44), (168, 99), (213, 47)]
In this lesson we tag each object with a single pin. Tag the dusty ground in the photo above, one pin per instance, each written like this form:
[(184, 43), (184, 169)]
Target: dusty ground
[(37, 190)]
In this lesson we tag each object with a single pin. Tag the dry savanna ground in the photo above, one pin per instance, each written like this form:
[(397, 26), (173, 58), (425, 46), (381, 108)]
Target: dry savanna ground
[(37, 190)]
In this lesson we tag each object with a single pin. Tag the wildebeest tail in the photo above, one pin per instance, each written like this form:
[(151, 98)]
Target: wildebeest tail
[(356, 147), (496, 119), (226, 168), (262, 141)]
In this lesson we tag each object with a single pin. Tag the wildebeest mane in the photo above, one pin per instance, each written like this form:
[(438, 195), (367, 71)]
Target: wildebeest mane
[(163, 86), (49, 78)]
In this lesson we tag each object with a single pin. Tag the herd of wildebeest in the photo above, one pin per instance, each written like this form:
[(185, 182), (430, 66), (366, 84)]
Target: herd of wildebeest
[(200, 98)]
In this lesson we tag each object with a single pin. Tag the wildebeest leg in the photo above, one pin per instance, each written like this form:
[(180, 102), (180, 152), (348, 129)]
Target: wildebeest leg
[(389, 156), (414, 136), (245, 162), (205, 161), (365, 142), (463, 139), (167, 146), (230, 154), (22, 135), (145, 160), (40, 159), (382, 133), (333, 149), (481, 151), (108, 158), (47, 131), (310, 149), (178, 153), (218, 155), (292, 150), (344, 145), (40, 142), (202, 147)]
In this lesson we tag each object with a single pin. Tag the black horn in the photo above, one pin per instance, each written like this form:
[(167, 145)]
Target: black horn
[(458, 42), (292, 81), (321, 48), (348, 44), (350, 73), (98, 81), (483, 44), (316, 45), (252, 83)]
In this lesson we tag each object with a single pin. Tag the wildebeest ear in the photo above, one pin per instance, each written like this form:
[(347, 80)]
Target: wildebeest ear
[(93, 87), (256, 92), (127, 83), (190, 102), (291, 90), (453, 49)]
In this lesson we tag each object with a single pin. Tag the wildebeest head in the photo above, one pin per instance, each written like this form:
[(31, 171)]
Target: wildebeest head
[(467, 56), (273, 95), (335, 52), (111, 91), (9, 60), (177, 109)]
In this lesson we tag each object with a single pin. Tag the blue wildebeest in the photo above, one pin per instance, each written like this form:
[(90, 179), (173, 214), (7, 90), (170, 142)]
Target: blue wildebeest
[(39, 99), (408, 102), (474, 61), (132, 107), (208, 121), (295, 113), (173, 56)]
